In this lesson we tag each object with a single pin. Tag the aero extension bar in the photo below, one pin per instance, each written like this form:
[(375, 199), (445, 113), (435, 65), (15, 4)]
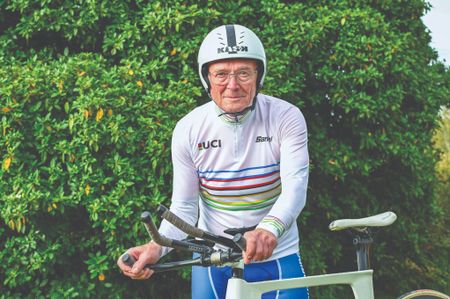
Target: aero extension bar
[(205, 247)]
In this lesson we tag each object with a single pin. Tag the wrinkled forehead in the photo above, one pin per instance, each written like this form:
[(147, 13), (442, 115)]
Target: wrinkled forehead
[(232, 64)]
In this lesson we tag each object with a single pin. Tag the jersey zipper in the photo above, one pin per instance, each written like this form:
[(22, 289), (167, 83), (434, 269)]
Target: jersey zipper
[(236, 141)]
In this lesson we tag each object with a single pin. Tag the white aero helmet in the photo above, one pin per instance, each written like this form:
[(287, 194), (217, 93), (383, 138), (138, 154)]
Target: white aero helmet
[(228, 42)]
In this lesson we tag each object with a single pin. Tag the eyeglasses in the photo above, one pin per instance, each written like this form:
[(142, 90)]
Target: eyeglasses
[(222, 78)]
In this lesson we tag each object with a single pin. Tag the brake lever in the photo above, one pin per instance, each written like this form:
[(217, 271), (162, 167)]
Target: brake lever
[(240, 241)]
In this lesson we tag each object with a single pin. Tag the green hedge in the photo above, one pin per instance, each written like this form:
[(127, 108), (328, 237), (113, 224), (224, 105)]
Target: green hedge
[(90, 92)]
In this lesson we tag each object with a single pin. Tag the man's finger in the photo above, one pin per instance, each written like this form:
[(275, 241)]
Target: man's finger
[(145, 274), (139, 265), (247, 258), (136, 269)]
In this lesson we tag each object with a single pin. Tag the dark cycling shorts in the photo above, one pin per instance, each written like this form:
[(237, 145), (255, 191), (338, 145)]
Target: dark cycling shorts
[(211, 282)]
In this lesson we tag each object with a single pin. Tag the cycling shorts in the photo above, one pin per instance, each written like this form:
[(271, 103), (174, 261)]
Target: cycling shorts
[(211, 282)]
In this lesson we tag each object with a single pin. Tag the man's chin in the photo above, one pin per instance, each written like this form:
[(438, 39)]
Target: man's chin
[(234, 108)]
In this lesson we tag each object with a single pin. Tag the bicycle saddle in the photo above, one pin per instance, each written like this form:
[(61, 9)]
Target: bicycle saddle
[(382, 219)]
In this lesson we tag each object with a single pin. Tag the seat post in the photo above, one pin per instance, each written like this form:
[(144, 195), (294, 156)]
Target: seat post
[(237, 273), (362, 241)]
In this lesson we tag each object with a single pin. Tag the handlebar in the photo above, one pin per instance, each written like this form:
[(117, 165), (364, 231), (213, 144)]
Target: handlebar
[(129, 260), (231, 255)]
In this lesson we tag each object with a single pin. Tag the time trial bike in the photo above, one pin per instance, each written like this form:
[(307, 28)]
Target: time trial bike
[(229, 253)]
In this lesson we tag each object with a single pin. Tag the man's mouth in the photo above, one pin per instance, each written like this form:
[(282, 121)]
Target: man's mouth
[(233, 97)]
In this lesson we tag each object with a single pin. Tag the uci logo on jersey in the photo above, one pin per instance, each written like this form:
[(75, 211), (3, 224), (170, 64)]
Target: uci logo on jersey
[(232, 49), (208, 144)]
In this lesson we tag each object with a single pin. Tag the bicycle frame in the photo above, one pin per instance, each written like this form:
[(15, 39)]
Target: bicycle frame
[(361, 283)]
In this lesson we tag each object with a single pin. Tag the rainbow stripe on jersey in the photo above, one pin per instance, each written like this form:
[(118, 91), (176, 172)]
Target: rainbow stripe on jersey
[(251, 188)]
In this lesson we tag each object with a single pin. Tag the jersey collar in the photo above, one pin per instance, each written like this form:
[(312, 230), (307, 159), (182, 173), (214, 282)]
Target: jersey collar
[(235, 118)]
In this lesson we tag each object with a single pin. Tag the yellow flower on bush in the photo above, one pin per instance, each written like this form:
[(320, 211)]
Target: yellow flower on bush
[(7, 163), (130, 72), (101, 277), (87, 189), (12, 224), (139, 83), (173, 52), (99, 115)]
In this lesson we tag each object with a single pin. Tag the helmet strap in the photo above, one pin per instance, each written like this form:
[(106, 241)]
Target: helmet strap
[(236, 115)]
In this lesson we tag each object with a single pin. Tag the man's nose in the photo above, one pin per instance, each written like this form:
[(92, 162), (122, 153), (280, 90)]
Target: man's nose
[(232, 82)]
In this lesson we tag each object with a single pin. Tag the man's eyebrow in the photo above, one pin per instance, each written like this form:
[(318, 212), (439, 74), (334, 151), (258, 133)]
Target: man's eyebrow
[(220, 70), (244, 68)]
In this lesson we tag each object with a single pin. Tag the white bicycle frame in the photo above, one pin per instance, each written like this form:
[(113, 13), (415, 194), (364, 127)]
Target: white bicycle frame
[(360, 281)]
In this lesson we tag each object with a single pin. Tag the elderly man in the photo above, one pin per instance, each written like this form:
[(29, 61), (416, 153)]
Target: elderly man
[(239, 160)]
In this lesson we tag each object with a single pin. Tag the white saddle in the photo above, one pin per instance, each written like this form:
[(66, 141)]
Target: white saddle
[(383, 219)]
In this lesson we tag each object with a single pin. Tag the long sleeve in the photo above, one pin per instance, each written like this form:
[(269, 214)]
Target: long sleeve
[(294, 170), (185, 184)]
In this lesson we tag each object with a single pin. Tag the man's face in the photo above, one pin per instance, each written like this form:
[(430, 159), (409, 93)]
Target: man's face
[(237, 91)]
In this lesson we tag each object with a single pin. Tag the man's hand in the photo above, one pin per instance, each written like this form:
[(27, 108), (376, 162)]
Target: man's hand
[(260, 245), (145, 254)]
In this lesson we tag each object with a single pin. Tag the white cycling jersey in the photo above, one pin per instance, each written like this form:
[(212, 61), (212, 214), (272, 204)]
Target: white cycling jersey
[(247, 171)]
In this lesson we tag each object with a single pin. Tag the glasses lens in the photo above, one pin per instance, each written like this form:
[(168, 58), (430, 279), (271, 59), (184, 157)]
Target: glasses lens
[(243, 76), (221, 77), (224, 77)]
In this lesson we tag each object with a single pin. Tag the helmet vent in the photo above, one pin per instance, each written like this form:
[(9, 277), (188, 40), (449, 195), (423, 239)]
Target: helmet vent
[(219, 36)]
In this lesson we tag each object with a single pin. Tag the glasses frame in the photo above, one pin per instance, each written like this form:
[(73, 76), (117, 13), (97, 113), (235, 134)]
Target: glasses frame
[(229, 75)]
